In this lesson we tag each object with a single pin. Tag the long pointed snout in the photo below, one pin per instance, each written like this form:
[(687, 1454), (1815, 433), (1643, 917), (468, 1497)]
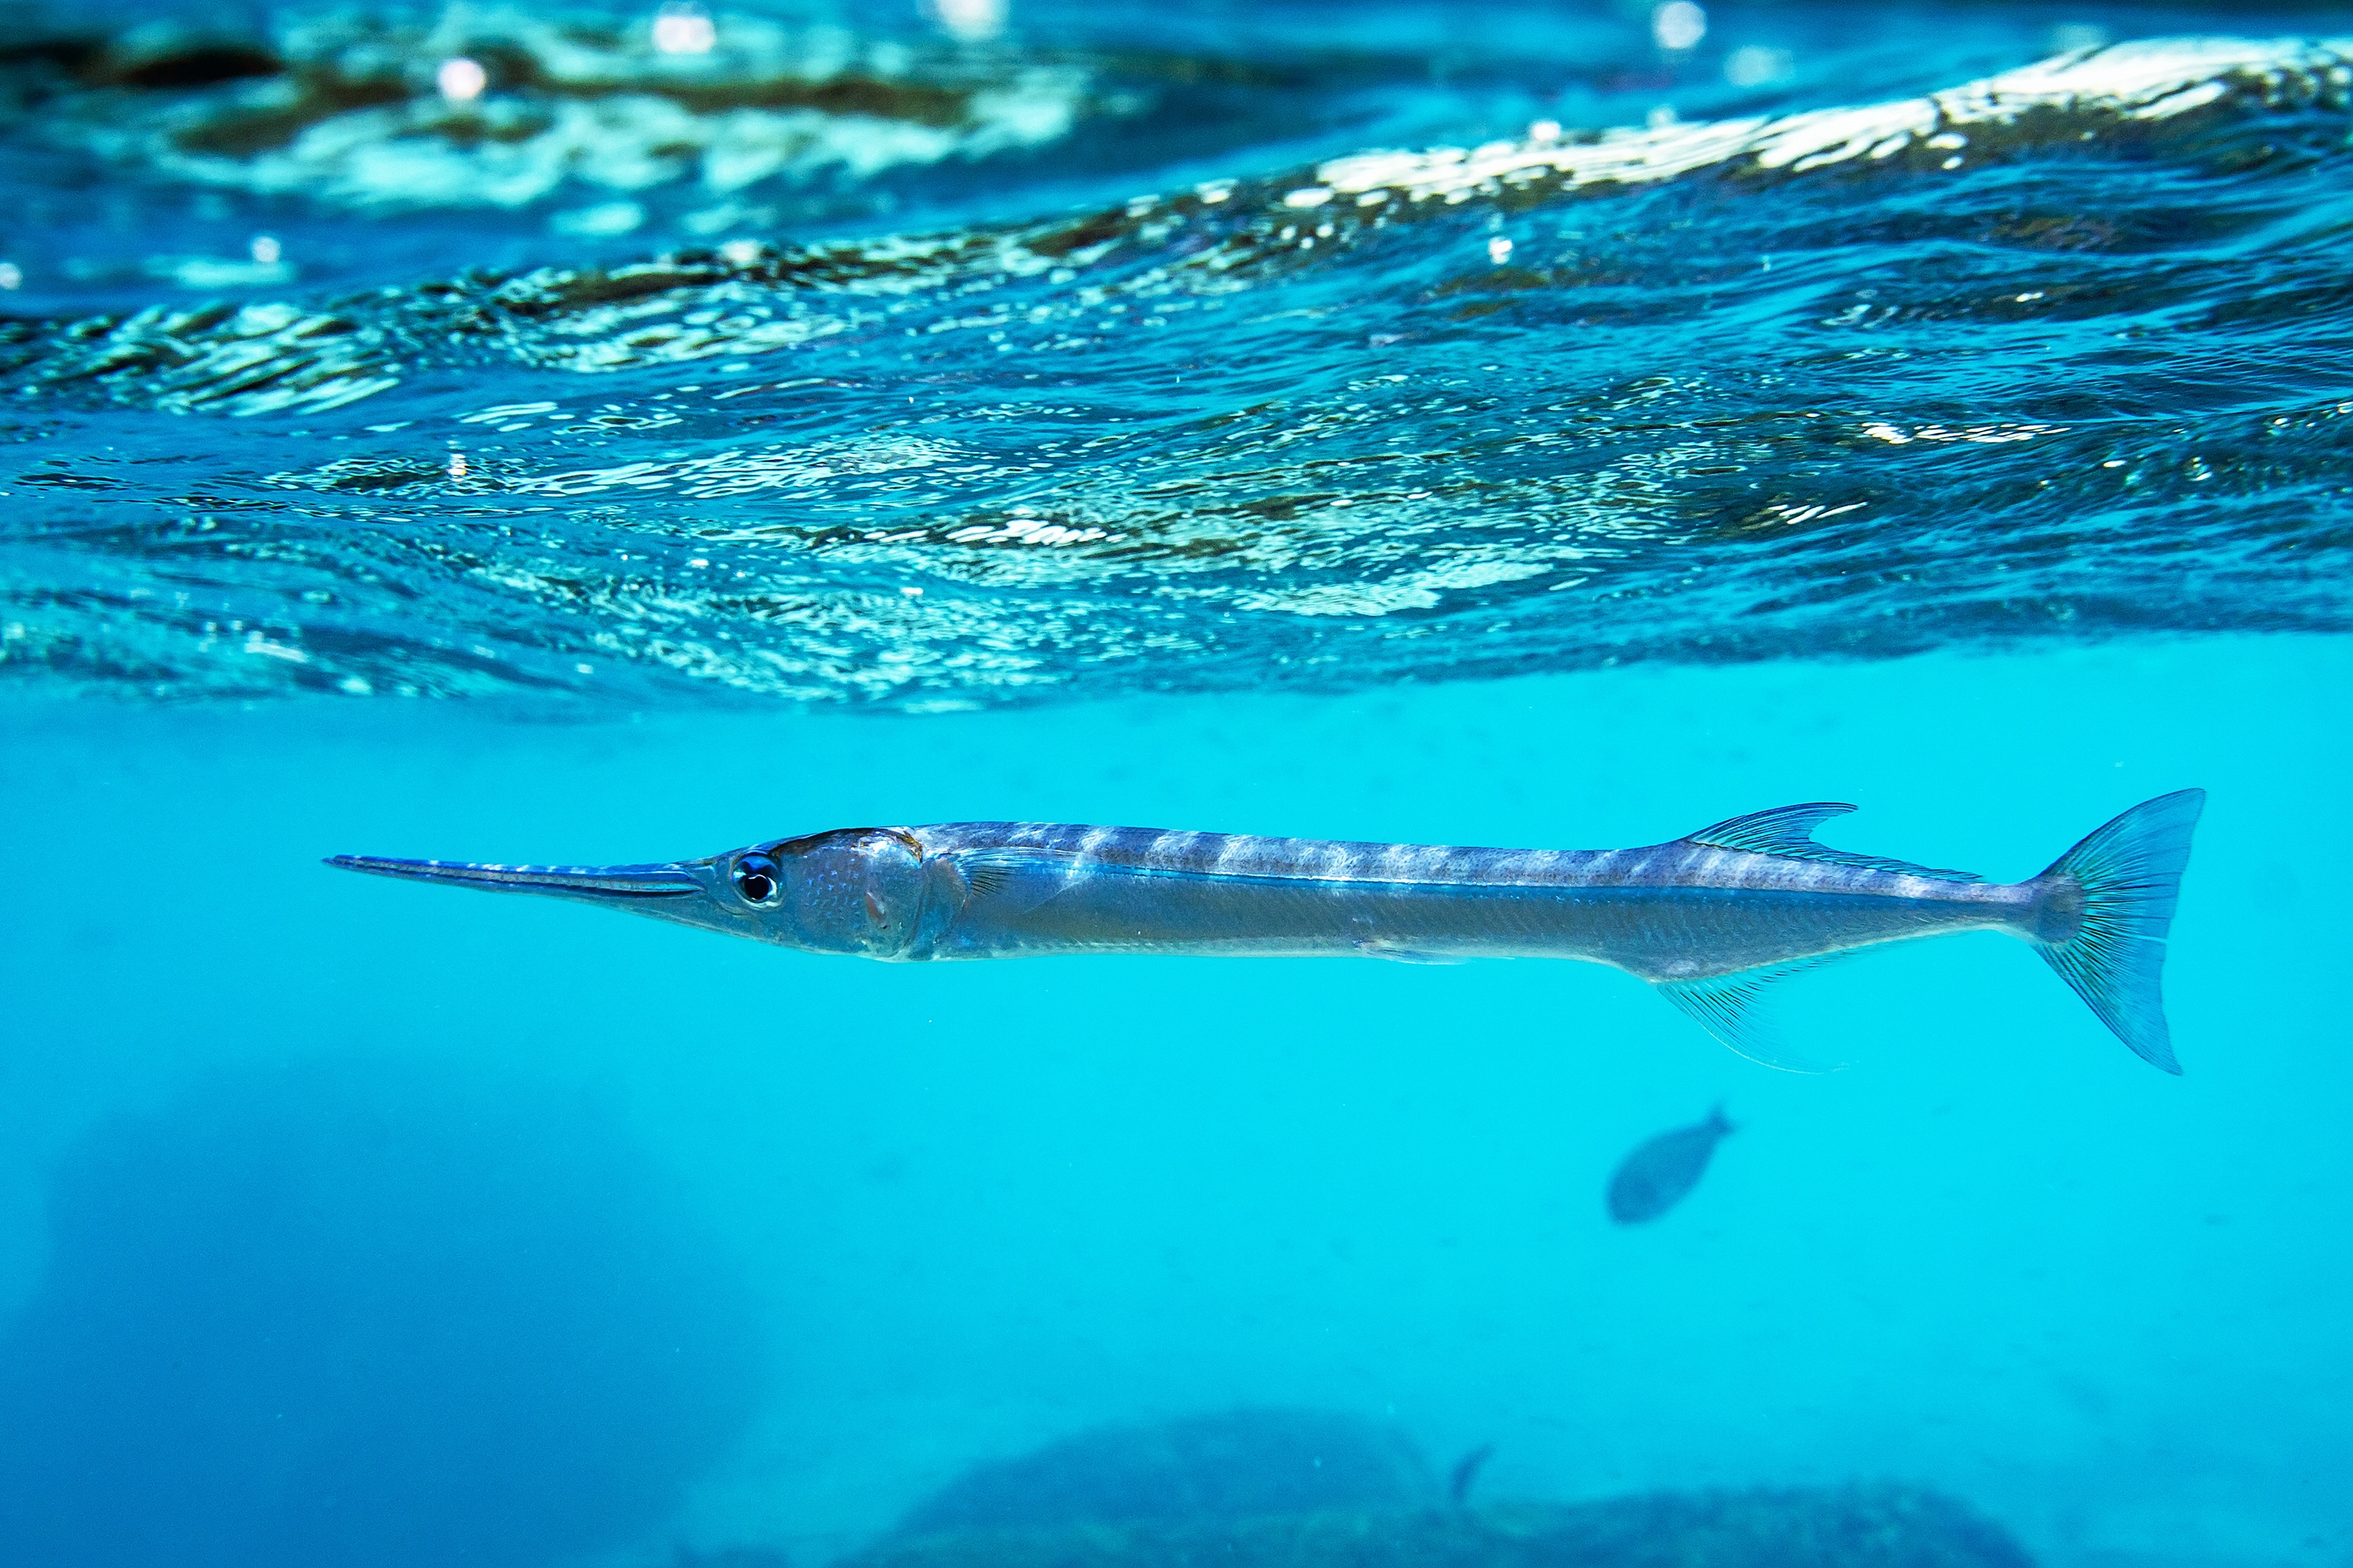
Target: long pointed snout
[(610, 885)]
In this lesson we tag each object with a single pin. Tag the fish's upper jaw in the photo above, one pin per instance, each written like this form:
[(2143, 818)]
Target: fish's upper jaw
[(597, 884), (681, 892)]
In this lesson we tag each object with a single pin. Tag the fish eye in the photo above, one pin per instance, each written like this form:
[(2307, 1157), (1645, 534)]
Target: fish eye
[(756, 878)]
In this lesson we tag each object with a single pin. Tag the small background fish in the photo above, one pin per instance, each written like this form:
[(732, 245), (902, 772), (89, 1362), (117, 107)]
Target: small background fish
[(1655, 1177)]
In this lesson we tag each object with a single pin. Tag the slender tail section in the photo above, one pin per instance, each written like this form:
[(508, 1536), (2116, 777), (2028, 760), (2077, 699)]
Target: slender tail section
[(2120, 886)]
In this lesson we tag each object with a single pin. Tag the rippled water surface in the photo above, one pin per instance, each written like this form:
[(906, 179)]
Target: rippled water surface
[(869, 358)]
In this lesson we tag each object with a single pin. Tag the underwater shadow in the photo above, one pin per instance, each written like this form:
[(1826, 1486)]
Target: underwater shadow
[(364, 1314)]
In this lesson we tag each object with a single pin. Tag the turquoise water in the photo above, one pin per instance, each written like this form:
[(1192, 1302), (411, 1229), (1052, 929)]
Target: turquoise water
[(345, 1221)]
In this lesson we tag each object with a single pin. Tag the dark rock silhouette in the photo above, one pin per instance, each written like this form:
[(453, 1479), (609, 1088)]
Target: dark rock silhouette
[(368, 1317), (1229, 1465), (1844, 1527)]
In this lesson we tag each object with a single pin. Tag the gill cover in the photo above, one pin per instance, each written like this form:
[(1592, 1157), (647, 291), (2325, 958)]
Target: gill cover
[(854, 891)]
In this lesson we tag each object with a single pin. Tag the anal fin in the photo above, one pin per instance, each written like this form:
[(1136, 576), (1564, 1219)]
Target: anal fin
[(1726, 1005)]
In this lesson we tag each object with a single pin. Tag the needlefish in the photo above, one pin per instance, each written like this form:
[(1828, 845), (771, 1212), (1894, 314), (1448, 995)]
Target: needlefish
[(1710, 919)]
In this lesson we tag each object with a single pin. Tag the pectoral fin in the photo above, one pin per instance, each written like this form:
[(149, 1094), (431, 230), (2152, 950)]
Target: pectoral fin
[(1726, 1005), (1013, 881), (1373, 948)]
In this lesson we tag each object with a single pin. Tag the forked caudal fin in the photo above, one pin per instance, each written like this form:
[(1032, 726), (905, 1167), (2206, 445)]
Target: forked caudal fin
[(2127, 877), (2105, 908)]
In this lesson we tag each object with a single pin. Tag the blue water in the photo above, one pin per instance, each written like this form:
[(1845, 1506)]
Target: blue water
[(944, 415)]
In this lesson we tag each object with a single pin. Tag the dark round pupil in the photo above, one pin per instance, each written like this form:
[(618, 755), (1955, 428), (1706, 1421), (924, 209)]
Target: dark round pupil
[(756, 878), (756, 886)]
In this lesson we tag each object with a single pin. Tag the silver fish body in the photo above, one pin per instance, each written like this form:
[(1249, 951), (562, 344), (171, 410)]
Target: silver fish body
[(1708, 918), (1680, 911)]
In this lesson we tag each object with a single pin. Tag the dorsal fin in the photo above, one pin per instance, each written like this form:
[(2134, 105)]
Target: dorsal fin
[(1788, 830)]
